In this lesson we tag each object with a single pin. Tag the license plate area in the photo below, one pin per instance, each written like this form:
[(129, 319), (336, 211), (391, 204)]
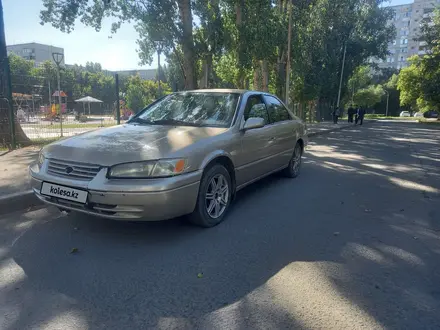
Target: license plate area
[(63, 192)]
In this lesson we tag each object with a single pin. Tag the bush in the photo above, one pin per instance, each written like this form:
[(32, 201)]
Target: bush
[(373, 116), (82, 118)]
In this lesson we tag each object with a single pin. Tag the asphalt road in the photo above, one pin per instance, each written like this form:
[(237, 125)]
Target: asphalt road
[(354, 242)]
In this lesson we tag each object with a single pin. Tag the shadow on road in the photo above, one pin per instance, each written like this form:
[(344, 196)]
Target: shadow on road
[(353, 242)]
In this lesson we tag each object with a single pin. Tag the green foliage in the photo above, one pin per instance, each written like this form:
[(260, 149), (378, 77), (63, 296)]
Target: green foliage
[(369, 96), (140, 92), (361, 78)]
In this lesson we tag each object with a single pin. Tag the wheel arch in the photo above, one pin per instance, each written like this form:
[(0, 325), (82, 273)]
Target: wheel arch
[(224, 159)]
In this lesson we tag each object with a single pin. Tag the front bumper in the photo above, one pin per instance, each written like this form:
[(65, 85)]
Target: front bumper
[(143, 199)]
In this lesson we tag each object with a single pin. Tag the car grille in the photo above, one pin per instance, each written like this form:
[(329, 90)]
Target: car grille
[(73, 170)]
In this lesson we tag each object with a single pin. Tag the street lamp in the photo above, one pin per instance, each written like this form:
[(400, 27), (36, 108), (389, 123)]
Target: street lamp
[(58, 58), (342, 74), (159, 47), (388, 98)]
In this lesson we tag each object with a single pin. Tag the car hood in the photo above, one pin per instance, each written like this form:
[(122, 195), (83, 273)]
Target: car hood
[(128, 143)]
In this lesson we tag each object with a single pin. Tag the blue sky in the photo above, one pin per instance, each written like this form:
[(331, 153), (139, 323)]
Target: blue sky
[(22, 25)]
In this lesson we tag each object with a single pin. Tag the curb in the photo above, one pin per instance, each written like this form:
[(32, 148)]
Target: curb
[(18, 201), (338, 128)]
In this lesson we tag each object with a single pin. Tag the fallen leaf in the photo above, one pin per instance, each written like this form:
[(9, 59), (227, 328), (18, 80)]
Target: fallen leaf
[(74, 250), (415, 237), (402, 210), (199, 275)]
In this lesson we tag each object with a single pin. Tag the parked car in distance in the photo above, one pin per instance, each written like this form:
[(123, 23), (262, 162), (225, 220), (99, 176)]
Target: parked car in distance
[(418, 115), (405, 114), (186, 154), (431, 114)]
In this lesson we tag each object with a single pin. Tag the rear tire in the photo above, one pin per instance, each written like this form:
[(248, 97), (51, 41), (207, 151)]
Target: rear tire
[(294, 167), (214, 198)]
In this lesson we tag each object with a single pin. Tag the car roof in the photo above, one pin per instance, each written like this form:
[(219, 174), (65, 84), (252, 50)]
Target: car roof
[(219, 90)]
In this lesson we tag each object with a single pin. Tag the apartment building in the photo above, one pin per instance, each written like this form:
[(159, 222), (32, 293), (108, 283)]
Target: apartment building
[(407, 19), (35, 52)]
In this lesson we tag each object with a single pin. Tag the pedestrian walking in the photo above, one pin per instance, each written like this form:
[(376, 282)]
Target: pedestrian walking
[(336, 113), (350, 112), (361, 114)]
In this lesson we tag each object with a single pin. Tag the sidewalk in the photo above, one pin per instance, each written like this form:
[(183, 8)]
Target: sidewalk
[(14, 177)]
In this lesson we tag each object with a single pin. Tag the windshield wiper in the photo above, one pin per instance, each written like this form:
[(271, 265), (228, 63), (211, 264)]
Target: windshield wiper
[(172, 122), (139, 120)]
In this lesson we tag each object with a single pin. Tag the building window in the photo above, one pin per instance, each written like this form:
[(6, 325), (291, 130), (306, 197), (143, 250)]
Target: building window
[(394, 41), (402, 59), (404, 50)]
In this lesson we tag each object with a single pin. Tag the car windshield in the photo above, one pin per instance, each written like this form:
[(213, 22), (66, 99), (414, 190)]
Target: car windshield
[(191, 109)]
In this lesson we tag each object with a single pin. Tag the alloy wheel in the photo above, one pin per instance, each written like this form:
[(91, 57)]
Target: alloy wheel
[(217, 196)]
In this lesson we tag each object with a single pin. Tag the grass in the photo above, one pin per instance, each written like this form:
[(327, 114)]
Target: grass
[(371, 116), (434, 122)]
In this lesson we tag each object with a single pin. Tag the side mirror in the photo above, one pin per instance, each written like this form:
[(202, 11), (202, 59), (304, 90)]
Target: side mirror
[(131, 117), (254, 122)]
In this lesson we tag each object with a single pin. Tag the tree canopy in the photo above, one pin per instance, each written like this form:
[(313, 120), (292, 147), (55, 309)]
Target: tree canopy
[(243, 43), (419, 84)]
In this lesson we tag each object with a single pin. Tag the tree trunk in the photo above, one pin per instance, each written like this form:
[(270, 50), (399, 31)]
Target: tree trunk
[(6, 95), (209, 69), (265, 75), (281, 68), (257, 85), (189, 66), (239, 7)]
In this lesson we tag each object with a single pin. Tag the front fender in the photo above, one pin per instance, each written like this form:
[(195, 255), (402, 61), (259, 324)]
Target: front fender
[(213, 155)]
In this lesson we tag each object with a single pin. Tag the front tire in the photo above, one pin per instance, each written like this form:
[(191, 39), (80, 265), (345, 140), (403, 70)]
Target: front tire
[(294, 167), (214, 198)]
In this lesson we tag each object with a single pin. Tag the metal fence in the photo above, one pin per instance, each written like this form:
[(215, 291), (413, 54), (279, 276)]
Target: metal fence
[(39, 117)]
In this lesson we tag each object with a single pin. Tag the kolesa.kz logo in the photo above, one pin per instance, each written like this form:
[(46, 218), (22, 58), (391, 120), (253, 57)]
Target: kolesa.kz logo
[(62, 192)]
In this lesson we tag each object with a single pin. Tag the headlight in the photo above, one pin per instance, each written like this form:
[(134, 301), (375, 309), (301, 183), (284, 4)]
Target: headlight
[(148, 169), (41, 159)]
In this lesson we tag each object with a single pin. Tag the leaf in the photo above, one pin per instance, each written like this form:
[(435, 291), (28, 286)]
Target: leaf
[(199, 275), (74, 250)]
